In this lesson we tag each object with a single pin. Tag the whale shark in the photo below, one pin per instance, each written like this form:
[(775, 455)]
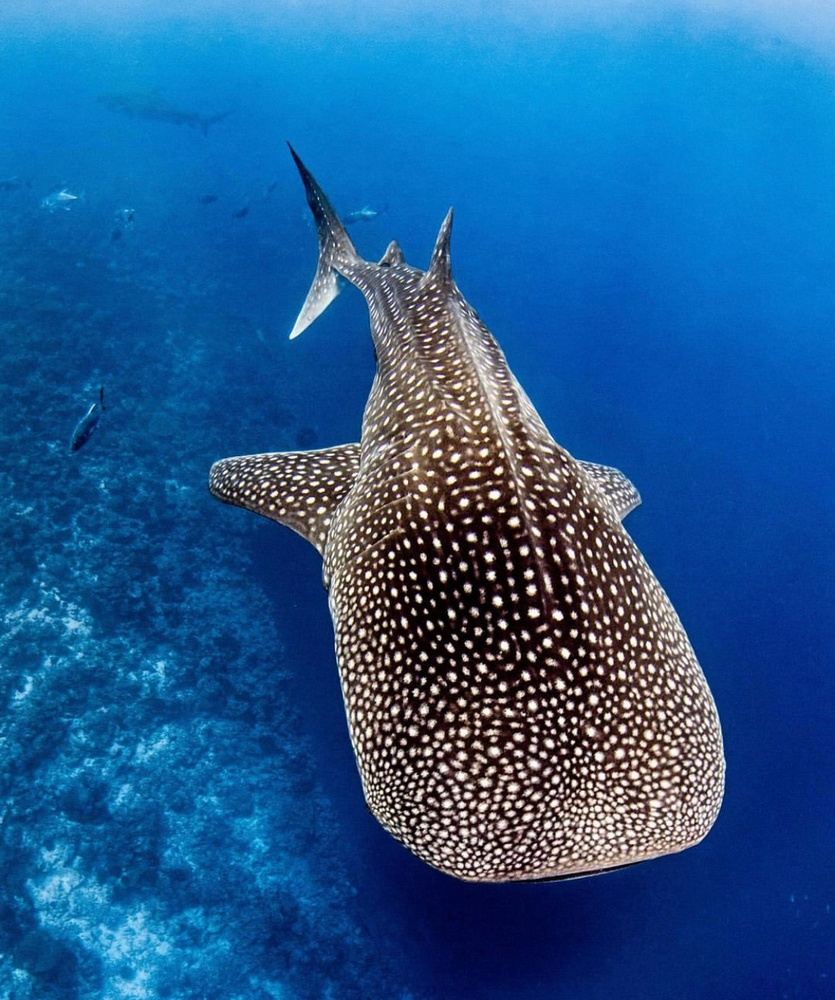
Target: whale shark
[(522, 699)]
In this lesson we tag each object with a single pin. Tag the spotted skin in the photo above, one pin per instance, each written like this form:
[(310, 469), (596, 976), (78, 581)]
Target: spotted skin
[(299, 489), (522, 699)]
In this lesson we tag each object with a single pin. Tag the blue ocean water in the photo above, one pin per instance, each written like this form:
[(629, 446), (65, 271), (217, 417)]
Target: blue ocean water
[(645, 218)]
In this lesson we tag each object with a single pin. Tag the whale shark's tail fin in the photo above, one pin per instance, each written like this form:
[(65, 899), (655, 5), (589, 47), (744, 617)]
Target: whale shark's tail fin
[(336, 252), (205, 121)]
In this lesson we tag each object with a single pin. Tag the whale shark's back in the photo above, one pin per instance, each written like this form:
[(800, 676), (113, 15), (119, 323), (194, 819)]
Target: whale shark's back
[(522, 698)]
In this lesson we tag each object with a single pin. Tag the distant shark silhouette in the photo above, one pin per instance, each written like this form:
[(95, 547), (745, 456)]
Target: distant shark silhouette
[(152, 106), (522, 699), (364, 214)]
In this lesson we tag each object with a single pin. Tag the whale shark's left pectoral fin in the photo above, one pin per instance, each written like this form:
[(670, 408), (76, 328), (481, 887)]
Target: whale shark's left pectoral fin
[(301, 489), (614, 485)]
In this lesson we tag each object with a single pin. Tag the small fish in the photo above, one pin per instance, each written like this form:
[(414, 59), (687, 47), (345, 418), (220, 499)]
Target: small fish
[(11, 184), (242, 213), (60, 199), (207, 199), (364, 214), (268, 190), (85, 427), (124, 220)]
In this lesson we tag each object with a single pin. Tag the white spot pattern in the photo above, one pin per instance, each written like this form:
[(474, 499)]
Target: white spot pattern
[(614, 486), (522, 698), (300, 489)]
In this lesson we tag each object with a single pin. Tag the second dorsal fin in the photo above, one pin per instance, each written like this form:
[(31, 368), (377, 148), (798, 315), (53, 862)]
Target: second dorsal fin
[(393, 255)]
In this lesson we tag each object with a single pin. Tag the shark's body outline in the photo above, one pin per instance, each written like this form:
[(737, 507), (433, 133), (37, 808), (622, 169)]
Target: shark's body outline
[(364, 214), (152, 106), (522, 698)]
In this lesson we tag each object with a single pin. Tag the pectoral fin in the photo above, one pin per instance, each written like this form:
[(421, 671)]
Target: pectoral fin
[(614, 485), (301, 489)]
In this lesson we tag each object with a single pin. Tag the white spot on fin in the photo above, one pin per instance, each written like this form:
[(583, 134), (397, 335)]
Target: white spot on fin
[(300, 489), (393, 255), (440, 266), (614, 485)]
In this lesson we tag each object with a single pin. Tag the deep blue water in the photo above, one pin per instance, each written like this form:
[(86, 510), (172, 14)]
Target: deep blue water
[(645, 218)]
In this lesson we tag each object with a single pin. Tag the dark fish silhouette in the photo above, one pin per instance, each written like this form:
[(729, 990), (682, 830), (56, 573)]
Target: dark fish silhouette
[(152, 106), (85, 427), (207, 199), (125, 219), (242, 213), (13, 184), (522, 698)]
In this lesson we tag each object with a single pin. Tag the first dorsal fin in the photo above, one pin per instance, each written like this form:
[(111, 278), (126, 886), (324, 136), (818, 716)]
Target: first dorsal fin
[(614, 485), (440, 266), (301, 489)]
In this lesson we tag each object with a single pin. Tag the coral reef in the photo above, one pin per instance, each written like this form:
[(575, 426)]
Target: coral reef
[(162, 831)]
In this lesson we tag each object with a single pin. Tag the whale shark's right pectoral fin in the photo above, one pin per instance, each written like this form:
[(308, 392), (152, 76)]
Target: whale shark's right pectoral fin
[(614, 485), (301, 489)]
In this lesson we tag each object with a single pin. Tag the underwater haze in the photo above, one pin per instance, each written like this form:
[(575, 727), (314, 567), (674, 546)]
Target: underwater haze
[(645, 219)]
